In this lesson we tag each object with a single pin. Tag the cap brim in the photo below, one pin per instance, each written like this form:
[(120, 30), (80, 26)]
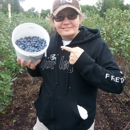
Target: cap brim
[(63, 7)]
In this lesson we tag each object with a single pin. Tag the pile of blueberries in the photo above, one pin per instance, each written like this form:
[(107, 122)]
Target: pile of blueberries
[(31, 43)]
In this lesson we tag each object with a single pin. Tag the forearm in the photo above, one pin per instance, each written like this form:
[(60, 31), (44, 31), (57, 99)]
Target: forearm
[(107, 77)]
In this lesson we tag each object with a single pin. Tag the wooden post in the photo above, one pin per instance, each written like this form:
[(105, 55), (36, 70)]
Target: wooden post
[(0, 5), (9, 10), (39, 15)]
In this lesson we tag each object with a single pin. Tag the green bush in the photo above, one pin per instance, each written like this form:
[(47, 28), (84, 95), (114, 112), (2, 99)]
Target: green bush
[(8, 65), (115, 29)]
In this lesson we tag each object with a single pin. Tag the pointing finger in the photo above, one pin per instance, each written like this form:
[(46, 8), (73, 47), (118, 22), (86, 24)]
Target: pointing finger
[(69, 49)]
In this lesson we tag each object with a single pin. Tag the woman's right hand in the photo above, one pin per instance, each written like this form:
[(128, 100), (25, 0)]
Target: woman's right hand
[(28, 64)]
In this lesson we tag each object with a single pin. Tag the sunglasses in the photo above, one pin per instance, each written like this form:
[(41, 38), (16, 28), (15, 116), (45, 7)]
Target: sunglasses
[(60, 18)]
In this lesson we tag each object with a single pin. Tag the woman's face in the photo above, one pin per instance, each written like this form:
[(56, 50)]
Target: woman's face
[(68, 29)]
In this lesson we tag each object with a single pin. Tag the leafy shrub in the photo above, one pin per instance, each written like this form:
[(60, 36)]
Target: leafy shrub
[(115, 29), (8, 65)]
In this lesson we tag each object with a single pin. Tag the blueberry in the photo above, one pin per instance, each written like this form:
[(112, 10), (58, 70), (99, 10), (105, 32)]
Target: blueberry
[(31, 43)]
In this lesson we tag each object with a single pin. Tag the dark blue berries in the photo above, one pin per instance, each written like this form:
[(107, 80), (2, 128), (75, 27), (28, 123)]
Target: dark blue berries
[(31, 43)]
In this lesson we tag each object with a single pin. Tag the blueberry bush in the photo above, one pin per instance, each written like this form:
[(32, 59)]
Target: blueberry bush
[(114, 28), (8, 65)]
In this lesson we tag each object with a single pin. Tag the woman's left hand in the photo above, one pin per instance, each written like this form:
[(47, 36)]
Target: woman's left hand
[(75, 53)]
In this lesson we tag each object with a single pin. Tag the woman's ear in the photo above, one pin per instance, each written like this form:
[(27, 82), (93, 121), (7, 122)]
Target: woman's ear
[(80, 19), (50, 17)]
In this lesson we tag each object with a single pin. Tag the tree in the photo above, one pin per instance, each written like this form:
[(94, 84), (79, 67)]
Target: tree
[(103, 5), (127, 6), (88, 8), (44, 13), (15, 5)]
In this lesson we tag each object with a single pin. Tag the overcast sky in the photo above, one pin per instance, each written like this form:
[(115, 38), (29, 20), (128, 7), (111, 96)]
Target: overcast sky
[(46, 4)]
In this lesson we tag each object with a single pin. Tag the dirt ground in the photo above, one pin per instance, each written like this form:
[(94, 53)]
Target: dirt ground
[(20, 115)]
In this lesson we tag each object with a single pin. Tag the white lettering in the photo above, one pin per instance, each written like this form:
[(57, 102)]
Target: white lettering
[(122, 80), (112, 78), (48, 64), (65, 1), (117, 79), (69, 1), (107, 75), (64, 64)]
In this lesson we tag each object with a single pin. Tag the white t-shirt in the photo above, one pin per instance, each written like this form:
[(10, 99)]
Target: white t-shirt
[(66, 42)]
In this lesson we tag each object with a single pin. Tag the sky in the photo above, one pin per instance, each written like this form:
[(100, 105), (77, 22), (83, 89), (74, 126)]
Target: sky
[(46, 4)]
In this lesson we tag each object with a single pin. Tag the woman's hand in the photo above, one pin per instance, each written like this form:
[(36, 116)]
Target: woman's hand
[(28, 64), (75, 53)]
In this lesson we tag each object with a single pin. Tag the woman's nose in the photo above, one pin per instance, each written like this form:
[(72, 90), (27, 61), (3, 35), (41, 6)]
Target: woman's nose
[(66, 19)]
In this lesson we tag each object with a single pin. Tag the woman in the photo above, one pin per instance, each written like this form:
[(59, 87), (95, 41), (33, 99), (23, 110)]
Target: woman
[(78, 62)]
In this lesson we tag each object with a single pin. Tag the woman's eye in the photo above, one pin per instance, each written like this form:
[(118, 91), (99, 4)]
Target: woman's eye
[(72, 16), (60, 17)]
